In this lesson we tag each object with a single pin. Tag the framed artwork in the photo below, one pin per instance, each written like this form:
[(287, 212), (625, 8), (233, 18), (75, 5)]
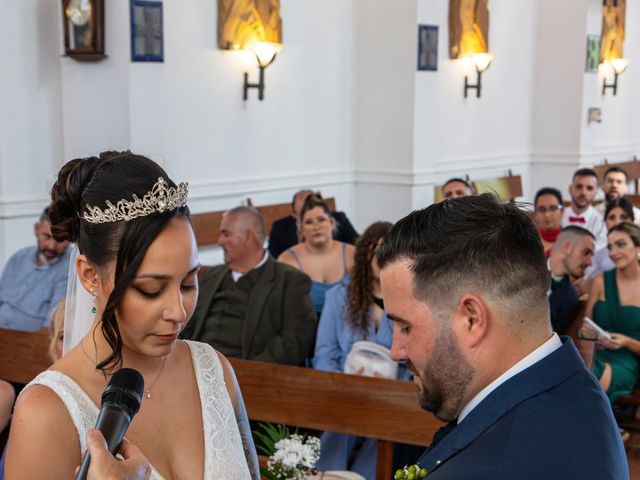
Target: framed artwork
[(428, 47), (243, 22), (593, 53), (83, 27), (147, 43)]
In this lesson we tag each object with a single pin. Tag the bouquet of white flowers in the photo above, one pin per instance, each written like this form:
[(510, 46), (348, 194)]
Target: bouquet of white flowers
[(291, 456)]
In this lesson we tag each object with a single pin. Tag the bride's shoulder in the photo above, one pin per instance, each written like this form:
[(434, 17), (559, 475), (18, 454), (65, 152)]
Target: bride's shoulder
[(40, 426)]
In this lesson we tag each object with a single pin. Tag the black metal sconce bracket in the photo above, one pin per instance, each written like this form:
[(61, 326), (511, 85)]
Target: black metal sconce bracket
[(613, 86), (469, 86), (259, 85)]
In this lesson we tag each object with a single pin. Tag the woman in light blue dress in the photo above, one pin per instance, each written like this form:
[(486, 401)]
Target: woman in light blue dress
[(353, 311)]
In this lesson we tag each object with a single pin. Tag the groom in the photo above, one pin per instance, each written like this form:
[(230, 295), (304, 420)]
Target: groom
[(465, 282)]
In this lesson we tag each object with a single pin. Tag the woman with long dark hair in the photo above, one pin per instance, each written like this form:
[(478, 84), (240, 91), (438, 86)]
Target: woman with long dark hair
[(137, 263), (614, 304), (353, 311)]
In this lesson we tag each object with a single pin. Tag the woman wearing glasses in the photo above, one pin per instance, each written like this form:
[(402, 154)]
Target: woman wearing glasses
[(548, 215), (325, 260)]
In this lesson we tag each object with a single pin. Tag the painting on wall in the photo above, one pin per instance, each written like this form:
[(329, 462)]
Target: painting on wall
[(428, 47), (147, 44), (593, 53), (612, 35), (468, 27), (243, 22)]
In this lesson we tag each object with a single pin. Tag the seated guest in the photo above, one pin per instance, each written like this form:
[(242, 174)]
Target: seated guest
[(353, 311), (581, 213), (34, 280), (456, 188), (617, 211), (614, 304), (253, 307), (570, 257), (324, 259), (615, 187), (56, 332), (284, 231), (548, 215)]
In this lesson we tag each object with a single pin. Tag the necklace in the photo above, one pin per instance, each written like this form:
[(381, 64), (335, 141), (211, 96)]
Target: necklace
[(147, 391)]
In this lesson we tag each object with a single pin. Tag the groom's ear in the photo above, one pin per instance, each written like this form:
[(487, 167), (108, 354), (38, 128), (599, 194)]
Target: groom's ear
[(88, 274)]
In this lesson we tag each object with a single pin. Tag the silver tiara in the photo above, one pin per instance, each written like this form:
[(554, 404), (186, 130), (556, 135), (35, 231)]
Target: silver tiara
[(160, 198)]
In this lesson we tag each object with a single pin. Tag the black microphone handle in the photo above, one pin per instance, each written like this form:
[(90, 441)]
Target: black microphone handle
[(113, 423)]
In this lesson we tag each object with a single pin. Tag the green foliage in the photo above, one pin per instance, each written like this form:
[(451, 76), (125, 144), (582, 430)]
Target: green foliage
[(269, 437)]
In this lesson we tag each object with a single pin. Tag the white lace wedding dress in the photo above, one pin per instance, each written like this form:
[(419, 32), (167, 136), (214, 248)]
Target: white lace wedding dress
[(223, 453)]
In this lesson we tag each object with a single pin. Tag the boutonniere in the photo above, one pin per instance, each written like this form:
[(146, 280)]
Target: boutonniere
[(410, 472)]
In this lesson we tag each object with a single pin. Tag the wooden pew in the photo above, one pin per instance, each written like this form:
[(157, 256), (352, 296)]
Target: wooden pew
[(23, 355), (508, 187), (207, 225), (371, 407)]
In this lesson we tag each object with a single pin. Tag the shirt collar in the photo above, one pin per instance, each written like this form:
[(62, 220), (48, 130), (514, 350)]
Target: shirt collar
[(534, 357), (236, 275)]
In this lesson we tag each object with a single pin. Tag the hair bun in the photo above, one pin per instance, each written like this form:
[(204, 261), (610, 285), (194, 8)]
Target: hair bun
[(66, 197)]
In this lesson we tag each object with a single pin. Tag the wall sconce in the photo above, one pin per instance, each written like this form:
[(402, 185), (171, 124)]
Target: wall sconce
[(265, 54), (618, 65), (481, 61)]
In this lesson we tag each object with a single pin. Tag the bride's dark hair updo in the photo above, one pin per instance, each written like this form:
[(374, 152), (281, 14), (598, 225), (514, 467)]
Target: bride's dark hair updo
[(112, 176)]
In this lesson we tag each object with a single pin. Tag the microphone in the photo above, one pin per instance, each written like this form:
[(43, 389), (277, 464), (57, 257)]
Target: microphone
[(120, 402)]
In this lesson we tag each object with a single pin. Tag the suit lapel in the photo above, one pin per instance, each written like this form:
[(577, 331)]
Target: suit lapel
[(209, 286), (552, 370), (257, 298)]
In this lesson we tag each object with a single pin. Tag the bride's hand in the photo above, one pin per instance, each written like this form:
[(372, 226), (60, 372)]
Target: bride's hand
[(105, 466)]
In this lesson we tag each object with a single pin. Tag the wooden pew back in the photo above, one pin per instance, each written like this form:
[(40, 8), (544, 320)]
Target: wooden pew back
[(507, 188), (386, 410), (23, 355), (207, 225), (631, 167)]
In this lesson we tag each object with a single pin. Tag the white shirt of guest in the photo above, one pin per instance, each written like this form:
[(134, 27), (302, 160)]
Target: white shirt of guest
[(236, 275), (593, 221), (534, 357)]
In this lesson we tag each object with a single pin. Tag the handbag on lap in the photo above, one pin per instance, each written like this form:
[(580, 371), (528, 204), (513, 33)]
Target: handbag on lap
[(374, 359)]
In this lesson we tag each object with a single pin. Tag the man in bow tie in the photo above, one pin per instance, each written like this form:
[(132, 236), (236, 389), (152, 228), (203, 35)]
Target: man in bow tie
[(465, 283), (581, 213)]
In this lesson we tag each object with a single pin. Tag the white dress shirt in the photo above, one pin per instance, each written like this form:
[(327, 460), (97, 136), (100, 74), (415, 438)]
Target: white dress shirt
[(538, 354), (236, 275), (593, 221)]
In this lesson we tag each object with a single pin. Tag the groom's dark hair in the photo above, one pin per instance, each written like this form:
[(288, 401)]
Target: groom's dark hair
[(473, 244)]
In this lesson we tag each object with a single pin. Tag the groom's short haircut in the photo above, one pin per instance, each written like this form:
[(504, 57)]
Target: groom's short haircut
[(472, 244)]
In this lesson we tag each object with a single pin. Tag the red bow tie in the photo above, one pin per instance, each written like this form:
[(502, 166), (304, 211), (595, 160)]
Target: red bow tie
[(577, 220)]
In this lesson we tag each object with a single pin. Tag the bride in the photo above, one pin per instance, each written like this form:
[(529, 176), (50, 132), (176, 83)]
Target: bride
[(137, 259)]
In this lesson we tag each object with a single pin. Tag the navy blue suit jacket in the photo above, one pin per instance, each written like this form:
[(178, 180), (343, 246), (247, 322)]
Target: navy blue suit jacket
[(550, 421)]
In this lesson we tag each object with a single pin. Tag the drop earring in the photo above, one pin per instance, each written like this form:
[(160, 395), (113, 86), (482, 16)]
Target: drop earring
[(94, 309)]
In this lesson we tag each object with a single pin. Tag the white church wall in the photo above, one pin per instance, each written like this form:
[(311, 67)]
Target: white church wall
[(617, 137), (482, 137), (186, 113), (30, 112), (385, 51)]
